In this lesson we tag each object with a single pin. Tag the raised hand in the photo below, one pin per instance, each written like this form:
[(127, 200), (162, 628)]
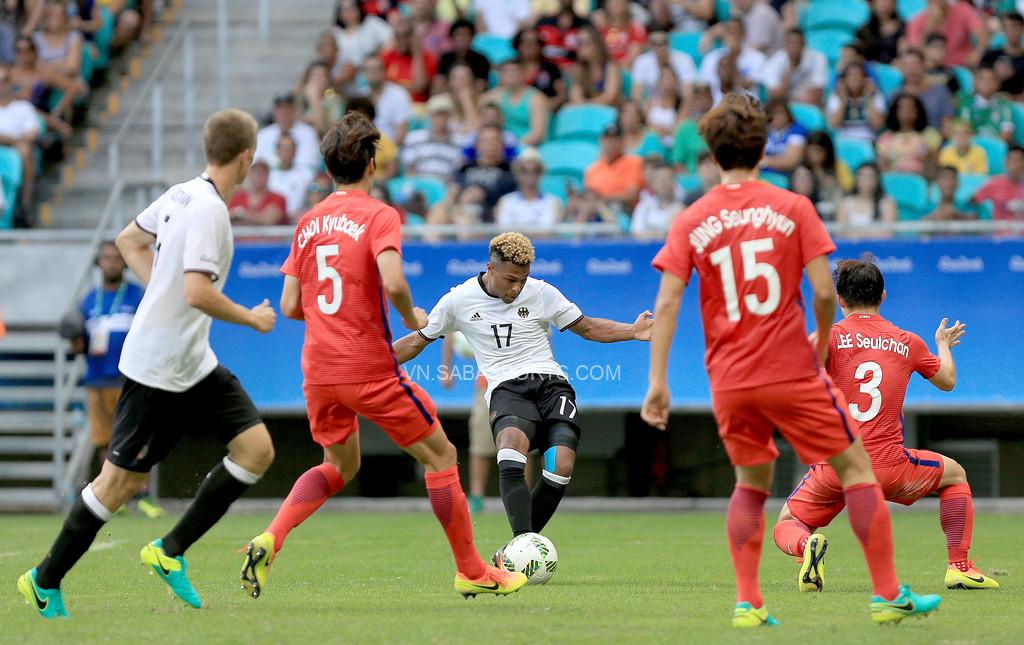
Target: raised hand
[(950, 335)]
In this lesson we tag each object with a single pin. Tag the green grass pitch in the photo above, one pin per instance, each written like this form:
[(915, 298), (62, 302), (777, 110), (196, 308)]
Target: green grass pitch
[(387, 578)]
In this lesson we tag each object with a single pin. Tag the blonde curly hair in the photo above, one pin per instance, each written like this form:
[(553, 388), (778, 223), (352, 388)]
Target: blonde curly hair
[(513, 247)]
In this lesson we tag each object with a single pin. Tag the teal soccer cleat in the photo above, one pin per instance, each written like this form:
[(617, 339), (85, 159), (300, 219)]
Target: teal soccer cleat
[(48, 602), (172, 571), (906, 605)]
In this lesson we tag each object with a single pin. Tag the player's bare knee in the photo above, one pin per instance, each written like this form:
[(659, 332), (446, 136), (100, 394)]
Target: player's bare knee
[(953, 473), (114, 486), (253, 450), (565, 461), (513, 438)]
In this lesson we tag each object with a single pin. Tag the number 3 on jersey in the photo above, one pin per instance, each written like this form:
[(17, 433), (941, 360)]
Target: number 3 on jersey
[(869, 387), (326, 272), (752, 269)]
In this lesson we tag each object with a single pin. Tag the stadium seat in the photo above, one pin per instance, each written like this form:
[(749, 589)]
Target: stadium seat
[(10, 178), (722, 10), (966, 188), (689, 183), (854, 152), (495, 48), (809, 116), (558, 184), (775, 179), (907, 9), (687, 42), (401, 188), (1018, 123), (828, 42), (910, 193), (996, 151), (412, 219), (848, 15), (890, 79), (965, 78), (582, 121), (568, 157)]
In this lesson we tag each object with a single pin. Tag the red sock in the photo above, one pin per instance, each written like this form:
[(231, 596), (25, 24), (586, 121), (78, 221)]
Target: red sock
[(791, 536), (449, 504), (956, 516), (869, 517), (309, 492), (744, 526)]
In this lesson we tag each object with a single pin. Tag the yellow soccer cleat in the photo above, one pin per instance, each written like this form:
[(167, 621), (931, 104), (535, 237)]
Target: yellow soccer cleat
[(746, 616), (150, 508), (965, 576), (259, 555), (812, 571), (496, 581)]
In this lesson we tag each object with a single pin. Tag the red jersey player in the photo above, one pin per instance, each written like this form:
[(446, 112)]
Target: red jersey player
[(345, 264), (872, 361), (750, 243)]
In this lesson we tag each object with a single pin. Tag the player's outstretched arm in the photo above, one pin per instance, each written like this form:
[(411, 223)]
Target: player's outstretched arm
[(291, 298), (947, 338), (820, 276), (602, 330), (666, 310), (409, 346), (136, 247), (201, 294), (389, 263)]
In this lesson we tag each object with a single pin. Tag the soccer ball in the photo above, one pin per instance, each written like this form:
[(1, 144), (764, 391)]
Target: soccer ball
[(531, 554)]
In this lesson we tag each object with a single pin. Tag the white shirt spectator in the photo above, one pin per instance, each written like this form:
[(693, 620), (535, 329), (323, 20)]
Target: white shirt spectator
[(750, 62), (812, 72), (368, 39), (424, 155), (855, 123), (394, 107), (645, 69), (763, 27), (307, 144), (18, 119), (514, 212), (502, 17), (651, 217), (293, 184)]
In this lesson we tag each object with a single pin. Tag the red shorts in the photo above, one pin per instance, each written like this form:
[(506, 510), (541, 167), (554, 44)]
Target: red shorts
[(399, 406), (810, 414), (818, 498)]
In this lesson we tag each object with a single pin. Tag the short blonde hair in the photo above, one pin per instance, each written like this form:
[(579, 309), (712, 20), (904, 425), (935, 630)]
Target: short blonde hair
[(513, 247), (227, 134)]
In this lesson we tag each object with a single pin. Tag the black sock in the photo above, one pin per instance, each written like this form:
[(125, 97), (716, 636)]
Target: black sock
[(80, 529), (216, 494), (515, 495), (546, 496)]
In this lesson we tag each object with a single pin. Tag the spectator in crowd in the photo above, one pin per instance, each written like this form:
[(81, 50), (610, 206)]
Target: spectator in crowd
[(687, 144), (59, 46), (947, 181), (883, 32), (688, 16), (478, 185), (659, 16), (466, 117), (358, 34), (709, 174), (936, 71), (386, 159), (803, 182), (343, 72), (432, 151), (540, 72), (624, 36), (391, 101), (30, 83), (528, 208), (131, 20), (286, 121), (966, 33), (321, 187), (1006, 192), (85, 17), (595, 77), (857, 107), (289, 179), (501, 17), (524, 108), (1008, 60), (19, 129), (656, 210), (762, 24), (962, 154), (867, 204), (17, 19), (938, 102), (784, 149), (647, 67), (559, 34), (491, 116), (637, 138), (406, 64), (317, 100), (909, 144), (587, 207), (257, 204), (796, 72), (832, 176), (432, 32), (988, 113), (461, 33), (615, 176), (664, 105), (749, 61)]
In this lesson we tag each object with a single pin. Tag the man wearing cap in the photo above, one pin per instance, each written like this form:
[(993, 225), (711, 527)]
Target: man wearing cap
[(307, 141), (615, 177), (528, 209), (432, 151)]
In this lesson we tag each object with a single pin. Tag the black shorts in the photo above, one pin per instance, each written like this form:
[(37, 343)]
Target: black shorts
[(149, 422), (544, 399)]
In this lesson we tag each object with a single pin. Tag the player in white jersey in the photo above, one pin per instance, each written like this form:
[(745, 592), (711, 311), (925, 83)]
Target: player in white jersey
[(181, 248), (506, 315)]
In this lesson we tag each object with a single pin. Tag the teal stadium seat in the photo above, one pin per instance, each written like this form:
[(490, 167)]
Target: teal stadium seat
[(829, 42), (965, 78), (689, 183), (495, 48), (568, 157), (10, 178), (809, 116), (585, 122), (847, 15), (775, 179), (558, 184), (910, 193), (722, 10), (907, 9), (890, 79), (967, 187), (995, 149), (1018, 123), (401, 188), (688, 43), (854, 152)]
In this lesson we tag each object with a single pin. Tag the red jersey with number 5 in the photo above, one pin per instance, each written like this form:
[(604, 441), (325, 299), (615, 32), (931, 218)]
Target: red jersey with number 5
[(334, 256), (749, 243), (871, 361)]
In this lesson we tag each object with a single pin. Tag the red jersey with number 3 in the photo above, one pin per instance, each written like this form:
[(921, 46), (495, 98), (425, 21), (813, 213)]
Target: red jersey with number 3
[(749, 243), (871, 361), (334, 256)]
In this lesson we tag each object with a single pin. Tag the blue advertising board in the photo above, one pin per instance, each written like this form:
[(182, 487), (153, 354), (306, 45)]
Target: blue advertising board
[(980, 282)]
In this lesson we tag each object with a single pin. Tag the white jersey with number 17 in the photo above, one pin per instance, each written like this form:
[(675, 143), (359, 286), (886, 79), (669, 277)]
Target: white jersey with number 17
[(508, 340)]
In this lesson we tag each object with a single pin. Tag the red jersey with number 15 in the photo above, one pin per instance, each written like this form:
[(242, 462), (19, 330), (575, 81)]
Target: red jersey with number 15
[(334, 256), (871, 361), (749, 243)]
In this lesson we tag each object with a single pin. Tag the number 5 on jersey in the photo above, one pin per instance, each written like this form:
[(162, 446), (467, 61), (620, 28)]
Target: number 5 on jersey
[(326, 272), (752, 269)]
